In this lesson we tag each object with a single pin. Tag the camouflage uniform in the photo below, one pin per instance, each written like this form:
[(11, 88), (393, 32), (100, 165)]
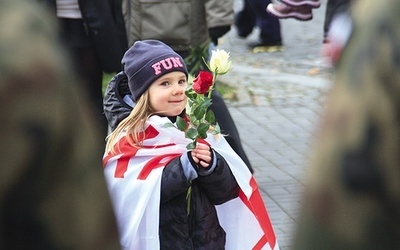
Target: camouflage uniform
[(53, 193), (353, 196)]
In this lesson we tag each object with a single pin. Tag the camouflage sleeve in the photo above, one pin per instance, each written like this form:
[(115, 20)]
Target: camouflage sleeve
[(352, 199), (53, 193), (219, 13)]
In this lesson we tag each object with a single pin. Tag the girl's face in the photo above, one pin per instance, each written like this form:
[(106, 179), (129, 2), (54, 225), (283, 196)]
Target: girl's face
[(167, 94)]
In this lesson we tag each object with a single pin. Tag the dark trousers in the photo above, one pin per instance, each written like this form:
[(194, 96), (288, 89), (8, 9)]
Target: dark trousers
[(86, 64), (254, 14), (228, 126), (89, 69)]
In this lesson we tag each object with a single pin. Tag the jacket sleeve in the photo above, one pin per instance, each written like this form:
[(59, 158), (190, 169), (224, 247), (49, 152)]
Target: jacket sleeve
[(176, 179), (107, 29), (219, 13), (220, 186)]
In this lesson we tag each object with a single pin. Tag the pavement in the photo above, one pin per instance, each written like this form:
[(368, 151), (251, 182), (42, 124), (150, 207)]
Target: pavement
[(280, 98)]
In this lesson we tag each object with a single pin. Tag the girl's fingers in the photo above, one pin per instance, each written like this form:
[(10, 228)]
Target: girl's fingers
[(202, 155), (204, 164), (202, 149), (202, 158), (202, 146)]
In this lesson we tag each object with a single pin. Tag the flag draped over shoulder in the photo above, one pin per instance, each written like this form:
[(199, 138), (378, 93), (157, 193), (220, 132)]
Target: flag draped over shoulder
[(134, 182)]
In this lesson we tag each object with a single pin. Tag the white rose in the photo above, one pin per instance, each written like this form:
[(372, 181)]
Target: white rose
[(219, 62)]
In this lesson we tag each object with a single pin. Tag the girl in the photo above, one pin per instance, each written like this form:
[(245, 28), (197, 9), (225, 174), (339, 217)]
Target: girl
[(164, 196)]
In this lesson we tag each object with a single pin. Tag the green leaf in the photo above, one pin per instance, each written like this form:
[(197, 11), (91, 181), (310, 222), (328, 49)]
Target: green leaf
[(202, 130), (190, 93), (217, 129), (199, 112), (168, 125), (191, 145), (193, 120), (192, 133), (210, 117), (206, 103), (193, 104), (182, 125)]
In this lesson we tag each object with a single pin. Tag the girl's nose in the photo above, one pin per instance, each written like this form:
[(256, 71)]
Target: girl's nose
[(178, 90)]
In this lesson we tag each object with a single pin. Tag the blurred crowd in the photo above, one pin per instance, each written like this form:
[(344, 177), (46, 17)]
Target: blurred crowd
[(53, 58)]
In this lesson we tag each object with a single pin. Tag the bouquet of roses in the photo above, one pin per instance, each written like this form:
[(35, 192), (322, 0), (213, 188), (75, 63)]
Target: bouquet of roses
[(201, 118)]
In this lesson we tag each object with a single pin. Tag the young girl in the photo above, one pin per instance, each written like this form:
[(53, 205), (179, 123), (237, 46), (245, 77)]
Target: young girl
[(164, 196)]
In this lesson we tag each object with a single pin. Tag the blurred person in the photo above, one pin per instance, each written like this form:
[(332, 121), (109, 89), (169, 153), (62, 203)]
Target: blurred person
[(337, 24), (189, 27), (337, 36), (94, 34), (302, 11), (297, 9), (352, 198), (253, 15), (53, 193)]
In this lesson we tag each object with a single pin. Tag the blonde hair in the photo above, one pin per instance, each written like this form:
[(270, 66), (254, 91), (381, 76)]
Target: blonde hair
[(132, 125)]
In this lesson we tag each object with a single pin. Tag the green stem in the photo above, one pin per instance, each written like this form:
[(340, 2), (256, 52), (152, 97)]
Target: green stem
[(212, 86), (188, 198)]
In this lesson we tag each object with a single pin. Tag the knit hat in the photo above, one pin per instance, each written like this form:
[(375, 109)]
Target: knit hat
[(148, 60)]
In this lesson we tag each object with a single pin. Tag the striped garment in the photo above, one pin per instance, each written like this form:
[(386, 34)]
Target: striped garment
[(134, 181)]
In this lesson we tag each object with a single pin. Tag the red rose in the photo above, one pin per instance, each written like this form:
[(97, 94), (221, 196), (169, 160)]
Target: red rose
[(203, 82)]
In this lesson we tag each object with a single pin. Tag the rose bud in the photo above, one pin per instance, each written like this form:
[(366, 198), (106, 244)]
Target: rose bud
[(219, 62), (203, 82)]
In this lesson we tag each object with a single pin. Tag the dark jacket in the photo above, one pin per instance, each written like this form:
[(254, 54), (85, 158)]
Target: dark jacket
[(192, 223), (105, 25), (115, 108)]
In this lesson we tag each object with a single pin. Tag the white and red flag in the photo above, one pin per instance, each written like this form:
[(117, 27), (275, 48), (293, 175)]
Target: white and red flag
[(134, 182)]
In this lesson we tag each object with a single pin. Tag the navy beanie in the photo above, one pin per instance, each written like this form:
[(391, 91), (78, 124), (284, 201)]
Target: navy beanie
[(148, 60)]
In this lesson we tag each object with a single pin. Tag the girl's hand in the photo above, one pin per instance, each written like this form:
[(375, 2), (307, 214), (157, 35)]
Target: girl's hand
[(201, 155)]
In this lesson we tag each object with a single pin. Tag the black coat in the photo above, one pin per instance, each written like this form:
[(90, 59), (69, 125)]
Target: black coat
[(105, 25), (115, 108), (193, 223)]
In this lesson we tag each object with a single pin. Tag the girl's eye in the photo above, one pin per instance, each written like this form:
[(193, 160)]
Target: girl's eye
[(164, 83), (182, 82)]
